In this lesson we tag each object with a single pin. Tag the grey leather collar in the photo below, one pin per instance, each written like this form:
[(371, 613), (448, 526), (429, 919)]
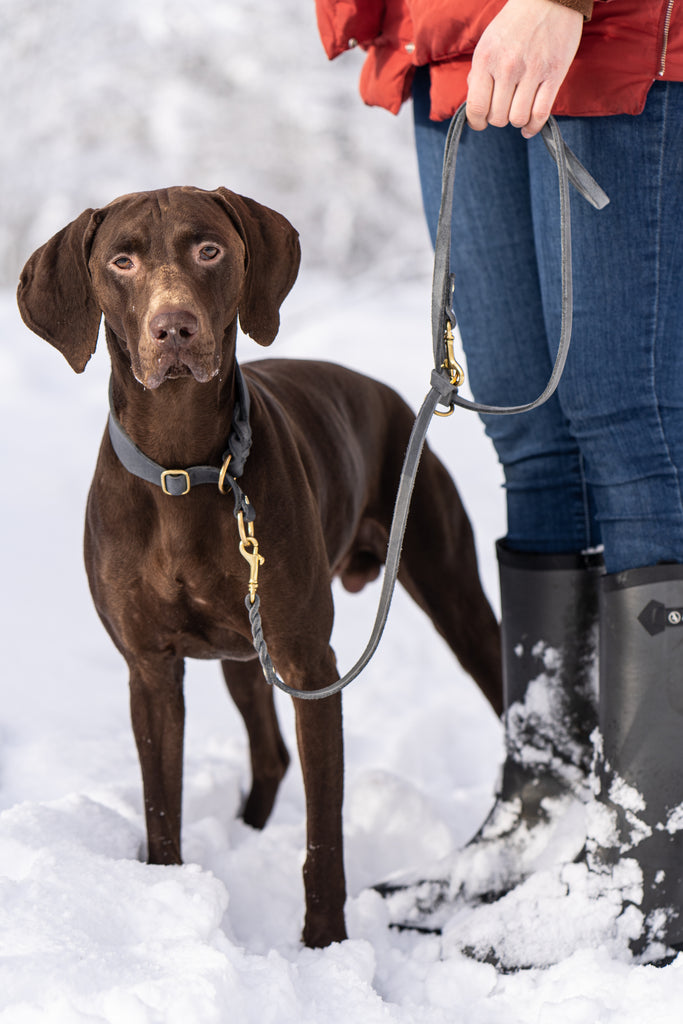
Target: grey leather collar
[(177, 482)]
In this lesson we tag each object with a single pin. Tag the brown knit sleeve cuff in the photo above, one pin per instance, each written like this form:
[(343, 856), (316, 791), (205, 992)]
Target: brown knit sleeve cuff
[(584, 7)]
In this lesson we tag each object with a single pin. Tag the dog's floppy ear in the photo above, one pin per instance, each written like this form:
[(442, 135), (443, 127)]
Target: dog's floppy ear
[(273, 257), (55, 294)]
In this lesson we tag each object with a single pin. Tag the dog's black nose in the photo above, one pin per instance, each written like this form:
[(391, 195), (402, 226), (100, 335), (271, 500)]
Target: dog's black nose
[(178, 325)]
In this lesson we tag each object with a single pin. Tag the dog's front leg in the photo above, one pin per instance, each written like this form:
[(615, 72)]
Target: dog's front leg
[(158, 716), (319, 737)]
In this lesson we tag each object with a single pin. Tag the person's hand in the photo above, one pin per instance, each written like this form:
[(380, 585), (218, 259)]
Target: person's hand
[(520, 63)]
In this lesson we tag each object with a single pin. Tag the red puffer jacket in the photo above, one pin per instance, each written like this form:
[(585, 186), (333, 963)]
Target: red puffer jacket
[(626, 46)]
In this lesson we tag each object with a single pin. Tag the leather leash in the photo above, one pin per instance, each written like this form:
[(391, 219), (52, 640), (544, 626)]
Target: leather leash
[(447, 377), (445, 380)]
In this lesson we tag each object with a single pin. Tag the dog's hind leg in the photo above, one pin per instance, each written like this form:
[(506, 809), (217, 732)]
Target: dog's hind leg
[(439, 570), (269, 757)]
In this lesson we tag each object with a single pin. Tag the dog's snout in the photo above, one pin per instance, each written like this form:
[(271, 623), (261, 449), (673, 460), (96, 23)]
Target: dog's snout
[(179, 325)]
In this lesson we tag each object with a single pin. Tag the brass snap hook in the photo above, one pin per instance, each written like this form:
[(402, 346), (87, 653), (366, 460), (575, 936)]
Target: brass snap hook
[(451, 365), (249, 551)]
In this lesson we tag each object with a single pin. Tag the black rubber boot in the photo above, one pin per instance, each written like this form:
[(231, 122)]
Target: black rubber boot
[(640, 774), (549, 642)]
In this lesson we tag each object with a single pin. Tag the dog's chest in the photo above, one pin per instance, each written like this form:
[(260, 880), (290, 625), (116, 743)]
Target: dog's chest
[(197, 595), (180, 585)]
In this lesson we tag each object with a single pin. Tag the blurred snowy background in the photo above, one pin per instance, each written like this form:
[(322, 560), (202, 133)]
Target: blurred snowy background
[(101, 99)]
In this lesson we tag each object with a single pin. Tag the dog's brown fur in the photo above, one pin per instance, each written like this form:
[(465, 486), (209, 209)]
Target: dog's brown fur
[(171, 271)]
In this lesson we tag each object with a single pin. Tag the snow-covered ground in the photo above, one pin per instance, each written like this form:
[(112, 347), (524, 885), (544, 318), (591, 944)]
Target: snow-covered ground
[(88, 933)]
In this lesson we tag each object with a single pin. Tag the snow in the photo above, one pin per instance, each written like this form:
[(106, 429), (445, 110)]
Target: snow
[(107, 98)]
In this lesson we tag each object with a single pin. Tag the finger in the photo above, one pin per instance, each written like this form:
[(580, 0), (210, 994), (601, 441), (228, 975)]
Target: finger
[(541, 107), (502, 77), (503, 94), (479, 93), (522, 104)]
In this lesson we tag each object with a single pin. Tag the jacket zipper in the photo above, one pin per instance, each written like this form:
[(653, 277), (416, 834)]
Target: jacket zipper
[(665, 37)]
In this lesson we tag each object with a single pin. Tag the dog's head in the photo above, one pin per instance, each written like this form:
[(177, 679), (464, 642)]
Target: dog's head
[(170, 270)]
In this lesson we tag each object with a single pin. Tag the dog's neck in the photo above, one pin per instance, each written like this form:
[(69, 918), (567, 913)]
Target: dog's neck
[(201, 414)]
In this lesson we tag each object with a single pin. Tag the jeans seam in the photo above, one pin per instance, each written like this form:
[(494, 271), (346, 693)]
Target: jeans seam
[(586, 525), (656, 308)]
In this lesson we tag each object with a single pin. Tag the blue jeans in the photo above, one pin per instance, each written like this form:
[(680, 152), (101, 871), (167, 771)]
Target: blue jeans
[(602, 461)]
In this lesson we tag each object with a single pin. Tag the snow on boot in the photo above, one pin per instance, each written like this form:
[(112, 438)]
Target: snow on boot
[(549, 642), (639, 812), (624, 893)]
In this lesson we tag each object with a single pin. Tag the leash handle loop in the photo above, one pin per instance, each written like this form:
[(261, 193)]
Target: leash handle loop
[(445, 381), (569, 168)]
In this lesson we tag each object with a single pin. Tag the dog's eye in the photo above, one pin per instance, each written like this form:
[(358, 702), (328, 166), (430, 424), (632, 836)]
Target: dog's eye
[(123, 262), (209, 252)]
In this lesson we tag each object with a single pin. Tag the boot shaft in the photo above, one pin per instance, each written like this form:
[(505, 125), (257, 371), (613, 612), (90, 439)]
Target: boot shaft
[(641, 684), (549, 639), (639, 816)]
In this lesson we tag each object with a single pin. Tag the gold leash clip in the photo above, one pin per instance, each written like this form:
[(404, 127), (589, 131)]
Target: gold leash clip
[(450, 363), (248, 541)]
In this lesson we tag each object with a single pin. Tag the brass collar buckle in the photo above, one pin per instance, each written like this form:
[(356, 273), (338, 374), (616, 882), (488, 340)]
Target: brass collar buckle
[(175, 474)]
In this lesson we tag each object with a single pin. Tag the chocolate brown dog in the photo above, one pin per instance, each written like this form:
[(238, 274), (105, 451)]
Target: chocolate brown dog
[(171, 271)]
